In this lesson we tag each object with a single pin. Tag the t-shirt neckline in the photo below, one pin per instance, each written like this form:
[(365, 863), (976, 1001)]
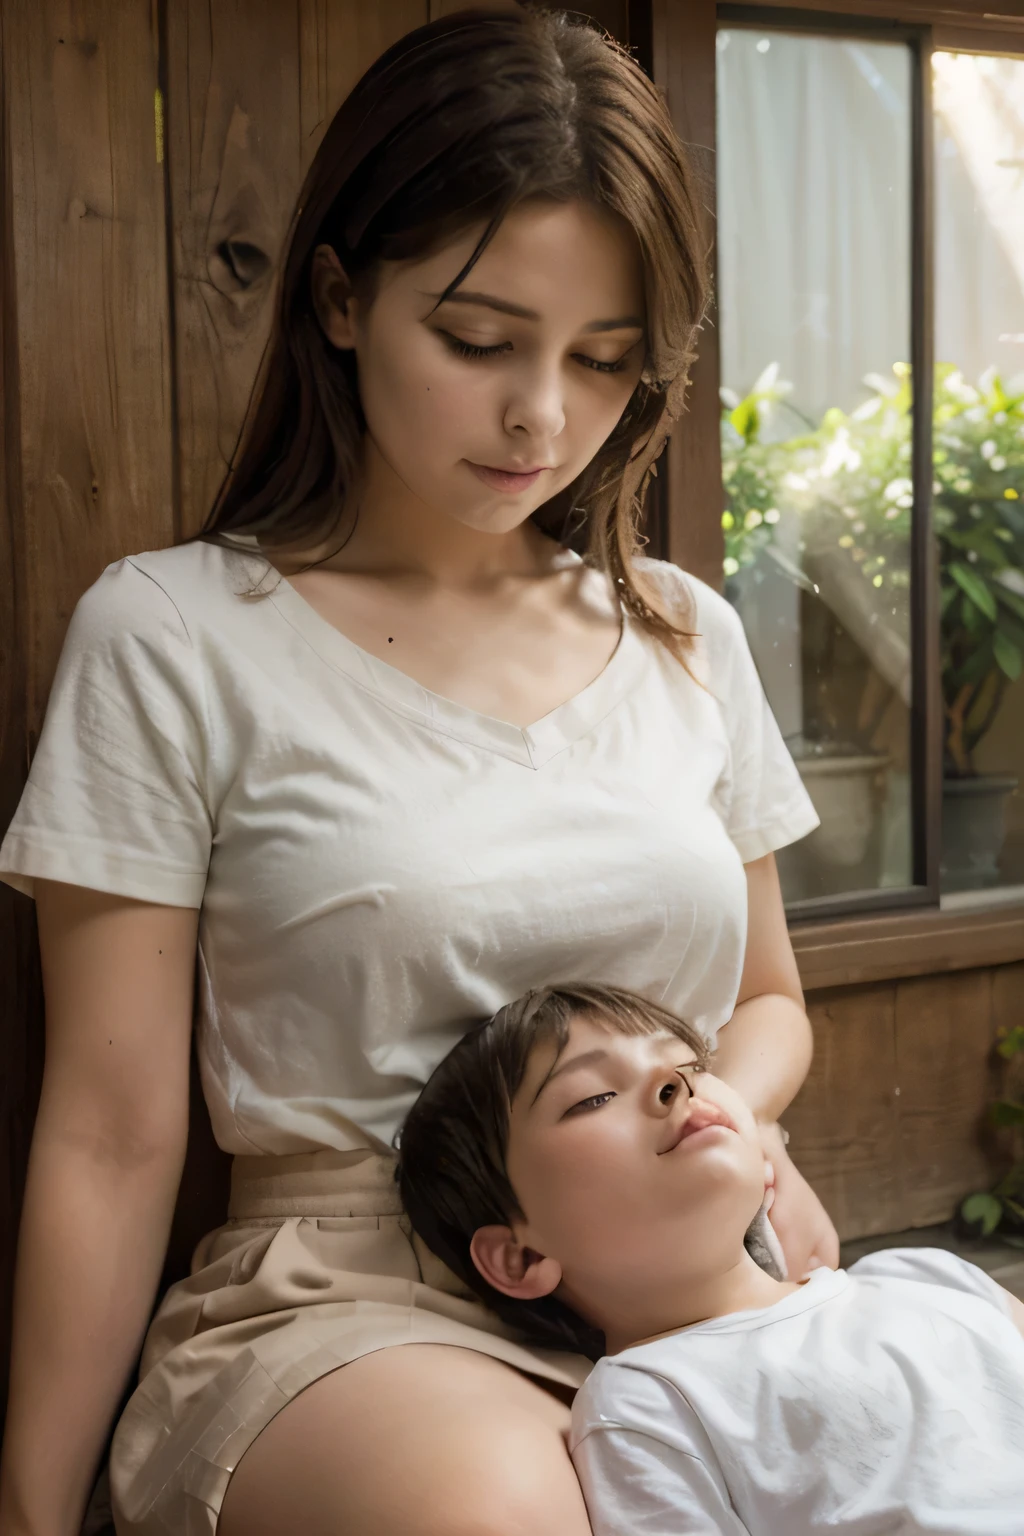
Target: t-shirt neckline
[(820, 1286), (531, 745)]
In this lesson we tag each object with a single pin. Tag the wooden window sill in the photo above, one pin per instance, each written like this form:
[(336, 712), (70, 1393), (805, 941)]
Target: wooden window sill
[(848, 951)]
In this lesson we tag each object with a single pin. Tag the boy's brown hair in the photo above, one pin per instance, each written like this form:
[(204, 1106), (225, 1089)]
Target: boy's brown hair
[(451, 1167)]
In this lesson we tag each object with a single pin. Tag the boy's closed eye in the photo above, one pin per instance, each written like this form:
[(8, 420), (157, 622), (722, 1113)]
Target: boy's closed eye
[(667, 1092)]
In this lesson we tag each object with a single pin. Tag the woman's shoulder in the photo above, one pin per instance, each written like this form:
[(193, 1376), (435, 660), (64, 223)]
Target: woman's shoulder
[(164, 590), (698, 608)]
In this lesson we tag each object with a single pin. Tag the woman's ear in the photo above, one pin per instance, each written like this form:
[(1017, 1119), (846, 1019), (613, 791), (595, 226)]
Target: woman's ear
[(333, 299), (512, 1269)]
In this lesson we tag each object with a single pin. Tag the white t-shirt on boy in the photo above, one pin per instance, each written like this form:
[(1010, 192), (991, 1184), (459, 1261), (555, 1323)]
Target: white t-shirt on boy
[(880, 1401)]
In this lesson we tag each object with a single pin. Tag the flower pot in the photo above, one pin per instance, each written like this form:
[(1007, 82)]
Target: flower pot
[(845, 852), (973, 829)]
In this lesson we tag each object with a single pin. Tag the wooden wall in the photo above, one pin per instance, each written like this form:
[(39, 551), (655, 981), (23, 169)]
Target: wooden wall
[(889, 1126)]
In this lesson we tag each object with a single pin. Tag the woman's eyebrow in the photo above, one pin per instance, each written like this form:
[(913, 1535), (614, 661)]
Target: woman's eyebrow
[(506, 307)]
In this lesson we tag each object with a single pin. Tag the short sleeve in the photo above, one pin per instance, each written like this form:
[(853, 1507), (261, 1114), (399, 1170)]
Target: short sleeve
[(760, 796), (115, 798), (932, 1266), (645, 1463)]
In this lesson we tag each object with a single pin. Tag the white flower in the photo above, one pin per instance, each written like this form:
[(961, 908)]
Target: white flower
[(839, 455), (730, 566), (897, 488), (772, 515), (753, 519), (987, 449), (960, 390), (997, 462), (884, 385), (905, 501)]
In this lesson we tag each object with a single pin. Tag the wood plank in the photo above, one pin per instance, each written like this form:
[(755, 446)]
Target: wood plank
[(1008, 38), (86, 412), (843, 1123), (944, 1030), (916, 943), (251, 90), (93, 325), (684, 66), (976, 15), (21, 1032)]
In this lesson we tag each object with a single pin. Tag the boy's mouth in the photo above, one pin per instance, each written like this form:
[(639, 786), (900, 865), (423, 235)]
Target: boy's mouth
[(700, 1114)]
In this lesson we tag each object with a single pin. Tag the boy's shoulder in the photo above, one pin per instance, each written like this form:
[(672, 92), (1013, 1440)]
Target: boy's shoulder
[(936, 1267), (628, 1391)]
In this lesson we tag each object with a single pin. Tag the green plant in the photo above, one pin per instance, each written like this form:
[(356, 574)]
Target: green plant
[(979, 520), (750, 472), (848, 482), (1001, 1209)]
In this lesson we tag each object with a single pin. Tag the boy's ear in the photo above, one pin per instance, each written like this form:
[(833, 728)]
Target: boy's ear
[(512, 1269), (333, 299)]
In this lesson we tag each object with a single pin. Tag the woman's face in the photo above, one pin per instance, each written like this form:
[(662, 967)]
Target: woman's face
[(485, 406)]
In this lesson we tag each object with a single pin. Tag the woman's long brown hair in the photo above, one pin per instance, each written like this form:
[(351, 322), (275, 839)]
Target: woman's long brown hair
[(452, 127)]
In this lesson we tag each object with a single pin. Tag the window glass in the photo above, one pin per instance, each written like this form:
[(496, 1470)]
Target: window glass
[(979, 462), (814, 239)]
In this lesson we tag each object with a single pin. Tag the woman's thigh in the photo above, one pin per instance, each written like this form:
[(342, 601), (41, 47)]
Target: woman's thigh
[(417, 1440)]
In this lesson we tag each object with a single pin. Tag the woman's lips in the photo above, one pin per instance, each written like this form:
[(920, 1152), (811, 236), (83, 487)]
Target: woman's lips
[(702, 1116), (506, 479)]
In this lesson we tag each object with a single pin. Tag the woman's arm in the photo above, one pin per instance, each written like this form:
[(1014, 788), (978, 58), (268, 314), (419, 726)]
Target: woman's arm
[(764, 1052), (103, 1174)]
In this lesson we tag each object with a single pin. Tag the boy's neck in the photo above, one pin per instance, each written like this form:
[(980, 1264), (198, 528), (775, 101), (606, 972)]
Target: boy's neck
[(743, 1286)]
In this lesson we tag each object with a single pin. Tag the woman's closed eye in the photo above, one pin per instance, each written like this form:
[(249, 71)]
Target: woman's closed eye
[(471, 350)]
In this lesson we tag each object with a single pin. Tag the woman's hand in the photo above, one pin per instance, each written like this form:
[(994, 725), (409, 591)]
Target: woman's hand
[(801, 1223)]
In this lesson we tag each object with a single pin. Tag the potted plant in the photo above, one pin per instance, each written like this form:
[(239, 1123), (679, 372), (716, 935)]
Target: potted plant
[(848, 481), (979, 520), (795, 486)]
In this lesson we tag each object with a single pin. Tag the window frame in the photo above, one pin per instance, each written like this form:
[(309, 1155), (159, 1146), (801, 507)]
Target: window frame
[(694, 461), (926, 694)]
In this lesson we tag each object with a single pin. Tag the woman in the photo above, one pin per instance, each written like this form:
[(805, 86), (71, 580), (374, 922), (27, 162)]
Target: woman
[(394, 753)]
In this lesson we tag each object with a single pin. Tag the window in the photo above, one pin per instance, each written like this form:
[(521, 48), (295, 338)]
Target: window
[(979, 462), (868, 418)]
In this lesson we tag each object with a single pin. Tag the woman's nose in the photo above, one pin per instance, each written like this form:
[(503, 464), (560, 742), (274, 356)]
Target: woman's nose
[(537, 407)]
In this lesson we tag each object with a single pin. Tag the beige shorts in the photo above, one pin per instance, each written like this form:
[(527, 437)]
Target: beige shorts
[(316, 1266)]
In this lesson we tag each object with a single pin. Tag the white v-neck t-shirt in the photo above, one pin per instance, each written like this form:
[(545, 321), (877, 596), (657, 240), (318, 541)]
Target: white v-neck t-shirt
[(887, 1400), (377, 866)]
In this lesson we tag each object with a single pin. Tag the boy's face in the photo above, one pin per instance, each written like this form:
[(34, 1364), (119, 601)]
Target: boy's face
[(633, 1168)]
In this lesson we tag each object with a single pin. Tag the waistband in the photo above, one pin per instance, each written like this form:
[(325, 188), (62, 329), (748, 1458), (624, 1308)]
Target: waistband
[(360, 1183)]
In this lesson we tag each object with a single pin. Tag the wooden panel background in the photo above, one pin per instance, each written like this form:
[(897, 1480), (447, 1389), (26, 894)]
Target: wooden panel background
[(889, 1126), (87, 396)]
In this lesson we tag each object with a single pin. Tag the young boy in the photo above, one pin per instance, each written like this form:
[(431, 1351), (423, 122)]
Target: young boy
[(575, 1162)]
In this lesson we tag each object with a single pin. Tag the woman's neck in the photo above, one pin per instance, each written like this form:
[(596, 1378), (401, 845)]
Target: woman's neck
[(389, 533)]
